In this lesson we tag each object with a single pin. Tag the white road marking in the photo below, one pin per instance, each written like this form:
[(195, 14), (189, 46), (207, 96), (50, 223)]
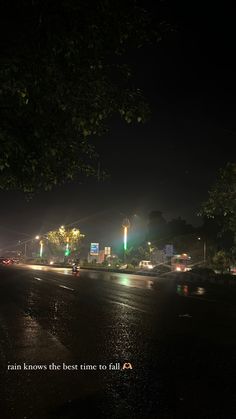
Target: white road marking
[(67, 288), (38, 279)]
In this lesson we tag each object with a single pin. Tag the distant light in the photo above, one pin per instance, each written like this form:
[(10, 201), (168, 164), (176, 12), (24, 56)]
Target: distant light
[(178, 269), (149, 243), (37, 237), (51, 262)]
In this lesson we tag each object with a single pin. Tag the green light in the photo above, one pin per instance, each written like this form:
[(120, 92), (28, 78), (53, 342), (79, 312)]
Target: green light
[(125, 238), (67, 251)]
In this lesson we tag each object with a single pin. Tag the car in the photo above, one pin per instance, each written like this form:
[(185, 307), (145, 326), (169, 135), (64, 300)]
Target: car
[(145, 265), (6, 261), (205, 273), (161, 269), (233, 270)]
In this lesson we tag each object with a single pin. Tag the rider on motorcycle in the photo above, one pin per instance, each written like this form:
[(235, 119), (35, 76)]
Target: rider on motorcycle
[(75, 267)]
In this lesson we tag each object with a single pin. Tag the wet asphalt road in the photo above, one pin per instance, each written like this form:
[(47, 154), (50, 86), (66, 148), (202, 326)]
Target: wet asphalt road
[(180, 340)]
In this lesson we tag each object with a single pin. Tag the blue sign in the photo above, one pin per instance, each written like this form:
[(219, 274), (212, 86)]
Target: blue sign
[(169, 250), (94, 249)]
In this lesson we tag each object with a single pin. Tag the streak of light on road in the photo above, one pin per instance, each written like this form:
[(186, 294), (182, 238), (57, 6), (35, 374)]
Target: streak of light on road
[(67, 288)]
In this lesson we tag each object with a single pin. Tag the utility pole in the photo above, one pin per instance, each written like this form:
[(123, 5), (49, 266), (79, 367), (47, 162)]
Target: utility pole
[(99, 172), (204, 251), (204, 248)]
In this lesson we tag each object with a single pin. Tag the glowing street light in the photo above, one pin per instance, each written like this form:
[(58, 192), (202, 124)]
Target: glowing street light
[(37, 237), (41, 249), (67, 250), (125, 237), (126, 226)]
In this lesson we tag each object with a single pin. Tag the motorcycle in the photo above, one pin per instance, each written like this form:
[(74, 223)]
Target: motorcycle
[(75, 270)]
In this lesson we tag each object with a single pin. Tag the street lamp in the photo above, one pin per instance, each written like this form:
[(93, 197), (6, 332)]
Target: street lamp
[(149, 248), (204, 249), (25, 250), (126, 226), (40, 244), (67, 249), (41, 249)]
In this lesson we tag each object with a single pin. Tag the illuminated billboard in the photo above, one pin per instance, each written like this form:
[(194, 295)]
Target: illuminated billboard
[(107, 251), (94, 249)]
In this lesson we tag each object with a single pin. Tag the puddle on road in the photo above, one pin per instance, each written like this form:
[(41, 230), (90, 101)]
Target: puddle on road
[(132, 281)]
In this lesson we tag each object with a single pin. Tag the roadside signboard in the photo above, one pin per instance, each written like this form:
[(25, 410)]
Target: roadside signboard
[(94, 249), (107, 251)]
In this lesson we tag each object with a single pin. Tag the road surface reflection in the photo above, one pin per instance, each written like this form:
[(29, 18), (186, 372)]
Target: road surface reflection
[(127, 280)]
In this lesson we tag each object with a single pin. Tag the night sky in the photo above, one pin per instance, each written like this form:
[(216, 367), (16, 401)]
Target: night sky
[(169, 163)]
